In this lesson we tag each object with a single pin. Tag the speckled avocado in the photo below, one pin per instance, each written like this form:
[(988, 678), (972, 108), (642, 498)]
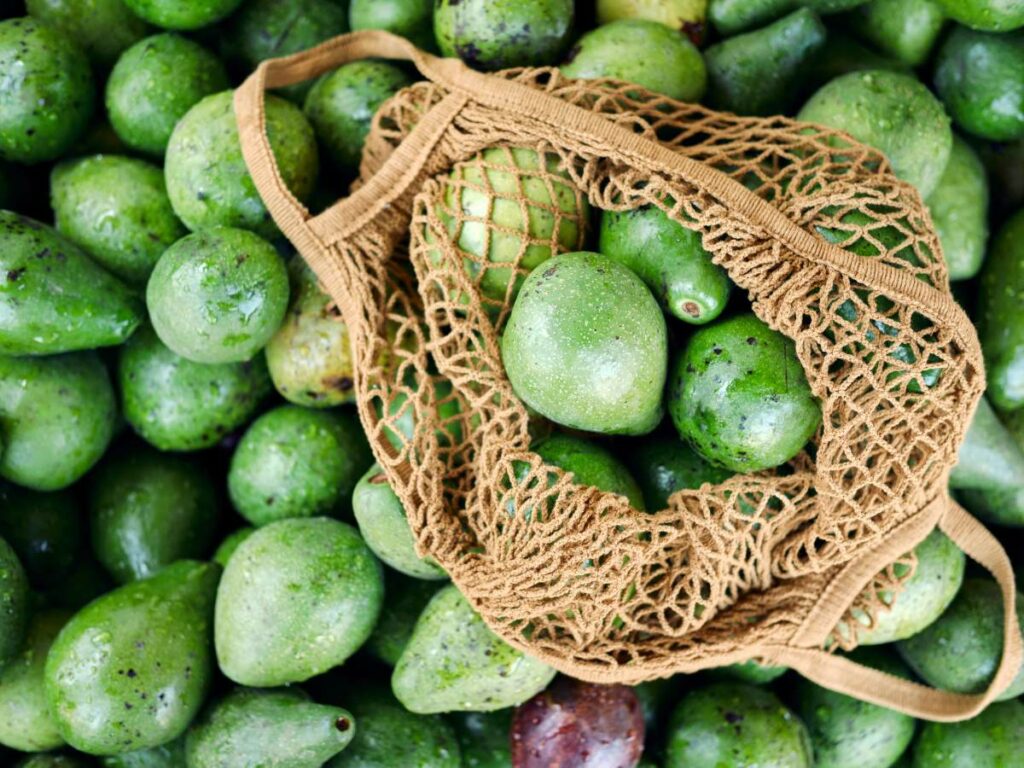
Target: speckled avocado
[(280, 728), (45, 530), (739, 395), (388, 736), (58, 415), (310, 356), (13, 603), (989, 15), (483, 738), (297, 462), (735, 724), (207, 179), (154, 83), (218, 296), (586, 345), (670, 259), (999, 320), (178, 405), (297, 598), (664, 465), (103, 28), (904, 29), (54, 298), (412, 19), (382, 522), (405, 600), (453, 662), (48, 105), (176, 14), (591, 465), (148, 509), (994, 738), (131, 669), (959, 209), (892, 112), (644, 52), (116, 208), (342, 103), (497, 34)]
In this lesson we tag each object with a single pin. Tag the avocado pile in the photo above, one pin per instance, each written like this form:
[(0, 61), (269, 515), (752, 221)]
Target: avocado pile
[(200, 564)]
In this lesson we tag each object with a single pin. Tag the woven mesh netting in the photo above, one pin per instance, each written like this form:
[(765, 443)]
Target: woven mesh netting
[(572, 574)]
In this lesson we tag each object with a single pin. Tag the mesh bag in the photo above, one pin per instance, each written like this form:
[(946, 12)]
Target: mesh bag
[(836, 253)]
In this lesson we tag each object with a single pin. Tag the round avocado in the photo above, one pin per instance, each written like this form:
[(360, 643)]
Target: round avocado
[(999, 320), (103, 28)]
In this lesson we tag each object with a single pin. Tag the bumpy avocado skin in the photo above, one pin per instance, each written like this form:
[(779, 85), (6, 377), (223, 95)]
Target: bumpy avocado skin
[(454, 663), (103, 28), (48, 105), (497, 34), (644, 52), (178, 405), (592, 465), (959, 209), (664, 465), (45, 529), (739, 395), (980, 78), (53, 297), (117, 209), (58, 415), (412, 19), (892, 112), (1000, 322), (670, 259), (154, 83), (341, 104), (175, 14), (904, 29), (207, 179), (993, 738), (603, 369)]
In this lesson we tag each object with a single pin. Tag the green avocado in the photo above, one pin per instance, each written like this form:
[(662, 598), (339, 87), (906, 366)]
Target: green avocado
[(116, 208), (980, 78), (848, 733), (994, 739), (297, 462), (988, 15), (388, 736), (892, 112), (498, 34), (497, 230), (1000, 322), (732, 16), (47, 104), (45, 529), (688, 16), (759, 72), (53, 760), (739, 395), (961, 650), (230, 543), (586, 346), (990, 458), (131, 669), (644, 52), (154, 83), (310, 356), (207, 179), (278, 728), (103, 28), (148, 509), (664, 465), (736, 725), (412, 19), (959, 208), (383, 525), (57, 416), (265, 29), (25, 721), (591, 465), (670, 259), (14, 597), (178, 405), (904, 29), (750, 672), (483, 738), (454, 663), (169, 755), (176, 14), (54, 298), (218, 296), (924, 596), (297, 598), (341, 104), (405, 599)]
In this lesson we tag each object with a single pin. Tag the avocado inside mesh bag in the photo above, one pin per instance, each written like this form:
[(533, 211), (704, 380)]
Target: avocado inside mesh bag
[(468, 181)]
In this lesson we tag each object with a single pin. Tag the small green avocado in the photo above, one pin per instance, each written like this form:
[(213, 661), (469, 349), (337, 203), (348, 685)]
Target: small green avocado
[(670, 259), (45, 529), (131, 669), (14, 597), (175, 14), (297, 598), (453, 662), (664, 465), (405, 600), (103, 28), (586, 346), (1000, 321), (278, 728), (959, 209), (988, 15), (412, 19), (994, 739), (739, 395)]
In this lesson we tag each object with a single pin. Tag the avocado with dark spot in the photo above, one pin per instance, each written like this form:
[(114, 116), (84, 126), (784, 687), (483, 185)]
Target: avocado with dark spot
[(959, 209), (14, 606), (53, 297), (103, 28), (405, 600), (999, 319), (45, 529), (664, 465), (993, 738), (904, 29), (175, 14), (131, 669), (687, 16), (483, 738), (412, 19)]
